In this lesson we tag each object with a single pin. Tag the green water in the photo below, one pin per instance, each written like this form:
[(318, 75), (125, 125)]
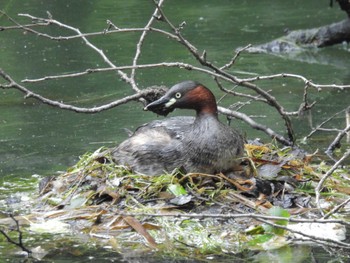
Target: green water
[(39, 139)]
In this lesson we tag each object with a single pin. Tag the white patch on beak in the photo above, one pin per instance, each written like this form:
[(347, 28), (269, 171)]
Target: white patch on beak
[(170, 102)]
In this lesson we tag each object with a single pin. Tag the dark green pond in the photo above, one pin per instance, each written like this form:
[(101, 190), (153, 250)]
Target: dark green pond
[(37, 139)]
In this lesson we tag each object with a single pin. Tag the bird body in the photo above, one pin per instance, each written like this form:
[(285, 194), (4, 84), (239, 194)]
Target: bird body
[(196, 144)]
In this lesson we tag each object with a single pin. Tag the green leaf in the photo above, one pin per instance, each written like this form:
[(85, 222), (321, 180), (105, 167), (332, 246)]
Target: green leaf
[(177, 189), (256, 230), (259, 239), (280, 212)]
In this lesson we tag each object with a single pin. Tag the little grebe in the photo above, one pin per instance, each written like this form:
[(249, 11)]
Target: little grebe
[(202, 144)]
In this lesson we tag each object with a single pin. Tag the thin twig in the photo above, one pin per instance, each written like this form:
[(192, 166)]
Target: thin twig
[(208, 68), (318, 87), (18, 243), (140, 42), (87, 42), (319, 186), (337, 140), (45, 22), (61, 105), (255, 125), (233, 60), (234, 93), (336, 209), (202, 59), (318, 128), (316, 239)]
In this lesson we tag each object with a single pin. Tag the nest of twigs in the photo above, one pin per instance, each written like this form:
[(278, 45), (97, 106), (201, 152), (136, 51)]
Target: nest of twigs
[(266, 204), (196, 211)]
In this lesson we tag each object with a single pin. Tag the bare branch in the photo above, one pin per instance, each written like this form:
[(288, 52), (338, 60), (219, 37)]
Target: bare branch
[(318, 128), (336, 141), (270, 99), (307, 82), (234, 93), (139, 44), (61, 105), (233, 60), (336, 209), (17, 25), (18, 243), (316, 239), (208, 68), (87, 42), (256, 125), (319, 187)]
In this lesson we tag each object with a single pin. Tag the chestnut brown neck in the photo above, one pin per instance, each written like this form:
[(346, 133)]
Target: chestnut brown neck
[(203, 101)]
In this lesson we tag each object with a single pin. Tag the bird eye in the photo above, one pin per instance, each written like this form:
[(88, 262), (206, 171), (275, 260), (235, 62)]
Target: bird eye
[(178, 95)]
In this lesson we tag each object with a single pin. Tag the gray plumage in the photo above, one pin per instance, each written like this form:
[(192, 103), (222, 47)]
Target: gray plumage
[(201, 144)]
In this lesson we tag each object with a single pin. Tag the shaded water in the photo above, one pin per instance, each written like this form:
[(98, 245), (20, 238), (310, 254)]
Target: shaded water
[(38, 139)]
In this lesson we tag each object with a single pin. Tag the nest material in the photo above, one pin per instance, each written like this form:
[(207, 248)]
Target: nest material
[(157, 93), (173, 213)]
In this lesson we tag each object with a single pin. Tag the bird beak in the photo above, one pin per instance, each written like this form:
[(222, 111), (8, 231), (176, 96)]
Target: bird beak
[(163, 102), (162, 106)]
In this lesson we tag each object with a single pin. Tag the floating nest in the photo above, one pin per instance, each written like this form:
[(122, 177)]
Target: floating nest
[(184, 213)]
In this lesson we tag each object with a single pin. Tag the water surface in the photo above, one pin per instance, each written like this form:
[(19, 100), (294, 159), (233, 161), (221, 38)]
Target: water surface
[(39, 139)]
